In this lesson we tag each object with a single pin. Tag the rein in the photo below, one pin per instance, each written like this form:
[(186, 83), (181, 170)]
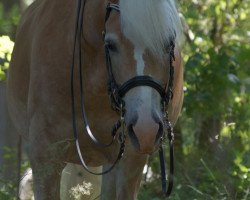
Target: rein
[(116, 93), (77, 38)]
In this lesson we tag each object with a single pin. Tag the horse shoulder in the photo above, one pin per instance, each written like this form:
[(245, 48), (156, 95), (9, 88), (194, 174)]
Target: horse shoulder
[(19, 72)]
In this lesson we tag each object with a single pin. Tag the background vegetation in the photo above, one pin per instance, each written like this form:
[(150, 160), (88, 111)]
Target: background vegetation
[(212, 144), (213, 133)]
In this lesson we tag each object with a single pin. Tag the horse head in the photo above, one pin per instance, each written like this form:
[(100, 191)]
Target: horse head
[(139, 42)]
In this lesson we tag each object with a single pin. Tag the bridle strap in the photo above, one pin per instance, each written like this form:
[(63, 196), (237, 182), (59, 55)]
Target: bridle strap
[(167, 190), (109, 8), (169, 87), (170, 134), (141, 81)]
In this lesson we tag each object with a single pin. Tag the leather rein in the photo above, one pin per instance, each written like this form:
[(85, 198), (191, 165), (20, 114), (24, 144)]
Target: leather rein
[(116, 93)]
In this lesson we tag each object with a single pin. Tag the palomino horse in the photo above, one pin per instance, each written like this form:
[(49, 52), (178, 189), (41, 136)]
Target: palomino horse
[(138, 36)]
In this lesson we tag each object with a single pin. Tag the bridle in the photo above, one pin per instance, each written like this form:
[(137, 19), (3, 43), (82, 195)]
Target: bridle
[(117, 93)]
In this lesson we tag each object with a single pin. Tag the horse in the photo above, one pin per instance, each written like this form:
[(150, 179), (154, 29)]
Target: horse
[(128, 43)]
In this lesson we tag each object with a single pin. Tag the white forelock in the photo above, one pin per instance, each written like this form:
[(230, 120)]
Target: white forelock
[(150, 24)]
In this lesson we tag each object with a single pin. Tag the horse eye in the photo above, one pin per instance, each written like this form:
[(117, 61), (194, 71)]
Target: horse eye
[(111, 46)]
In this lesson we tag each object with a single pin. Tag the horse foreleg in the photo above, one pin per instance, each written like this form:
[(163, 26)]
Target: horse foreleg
[(124, 181), (108, 190), (128, 175), (46, 159), (46, 179)]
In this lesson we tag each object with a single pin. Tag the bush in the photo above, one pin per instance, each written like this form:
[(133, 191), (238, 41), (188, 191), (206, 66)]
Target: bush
[(6, 47)]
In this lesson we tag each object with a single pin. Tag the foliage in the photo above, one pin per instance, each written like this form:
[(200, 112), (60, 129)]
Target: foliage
[(217, 83), (8, 186), (6, 47), (6, 192), (9, 19), (217, 86), (81, 190), (217, 80)]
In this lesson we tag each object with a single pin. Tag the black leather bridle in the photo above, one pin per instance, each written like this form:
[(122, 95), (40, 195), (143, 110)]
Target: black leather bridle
[(117, 93)]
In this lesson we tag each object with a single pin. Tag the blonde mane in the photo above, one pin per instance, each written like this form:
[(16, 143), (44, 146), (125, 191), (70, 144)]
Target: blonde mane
[(151, 24)]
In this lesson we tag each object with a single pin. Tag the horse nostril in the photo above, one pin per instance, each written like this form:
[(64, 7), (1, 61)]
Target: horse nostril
[(145, 137), (159, 133), (134, 139)]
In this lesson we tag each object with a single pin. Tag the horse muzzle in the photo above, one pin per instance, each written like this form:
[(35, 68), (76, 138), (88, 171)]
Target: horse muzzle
[(145, 135)]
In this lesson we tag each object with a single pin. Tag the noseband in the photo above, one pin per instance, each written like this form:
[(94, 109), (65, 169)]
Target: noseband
[(117, 93)]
